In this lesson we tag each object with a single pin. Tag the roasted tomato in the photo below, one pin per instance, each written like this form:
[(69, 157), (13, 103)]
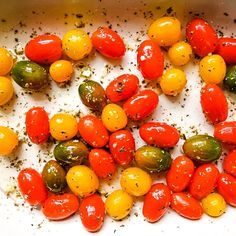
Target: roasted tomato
[(229, 163)]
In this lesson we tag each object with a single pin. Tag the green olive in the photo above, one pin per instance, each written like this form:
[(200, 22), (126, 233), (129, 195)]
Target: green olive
[(230, 79)]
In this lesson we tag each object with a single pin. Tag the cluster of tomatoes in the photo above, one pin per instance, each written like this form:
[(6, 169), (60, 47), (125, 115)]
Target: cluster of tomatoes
[(90, 147)]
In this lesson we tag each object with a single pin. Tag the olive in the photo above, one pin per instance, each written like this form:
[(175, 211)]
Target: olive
[(202, 148), (153, 159), (92, 95), (230, 79), (29, 75), (54, 176), (71, 152)]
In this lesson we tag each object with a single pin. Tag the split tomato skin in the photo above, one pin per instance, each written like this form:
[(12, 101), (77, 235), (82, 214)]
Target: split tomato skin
[(229, 163)]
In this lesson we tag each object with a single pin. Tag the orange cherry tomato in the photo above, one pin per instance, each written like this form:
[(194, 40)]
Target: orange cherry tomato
[(108, 42), (141, 105), (32, 187), (186, 206), (229, 163), (93, 131), (156, 202), (203, 181), (122, 88), (102, 163), (159, 134), (150, 60), (122, 147), (92, 212), (180, 173), (60, 207)]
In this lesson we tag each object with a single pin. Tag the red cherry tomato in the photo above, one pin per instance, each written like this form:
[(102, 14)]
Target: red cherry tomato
[(122, 147), (180, 173), (203, 181), (159, 134), (44, 49), (32, 187), (156, 202), (226, 186), (37, 125), (108, 42), (93, 131), (141, 105), (92, 212), (226, 132), (214, 103), (150, 60), (102, 163), (229, 163), (201, 36), (122, 88), (226, 47), (186, 206), (60, 207)]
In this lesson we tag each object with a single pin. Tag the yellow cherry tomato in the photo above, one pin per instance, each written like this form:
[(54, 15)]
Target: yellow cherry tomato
[(6, 61), (118, 204), (165, 31), (76, 44), (135, 181), (180, 53), (82, 180), (173, 81), (63, 126), (8, 140), (212, 69), (214, 204), (114, 117), (61, 71), (6, 90)]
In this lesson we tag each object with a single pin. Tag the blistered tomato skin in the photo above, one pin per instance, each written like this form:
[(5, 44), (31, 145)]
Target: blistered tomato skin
[(186, 206), (141, 105), (159, 134), (6, 62), (201, 36), (92, 212), (180, 173), (108, 43), (32, 186), (156, 202), (6, 89), (93, 131), (150, 60), (37, 125), (122, 88), (60, 207), (203, 181), (214, 103), (122, 147), (229, 163), (44, 49)]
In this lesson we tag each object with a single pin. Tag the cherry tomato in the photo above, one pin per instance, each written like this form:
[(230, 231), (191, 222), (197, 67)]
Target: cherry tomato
[(44, 49), (226, 47), (150, 60), (6, 89), (141, 105), (108, 42), (201, 36), (102, 163), (180, 173), (92, 212), (229, 163), (60, 207), (226, 186), (214, 103), (122, 88), (226, 132), (37, 125), (159, 134), (6, 61), (93, 131), (156, 202), (186, 206), (203, 181), (122, 147), (31, 185)]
